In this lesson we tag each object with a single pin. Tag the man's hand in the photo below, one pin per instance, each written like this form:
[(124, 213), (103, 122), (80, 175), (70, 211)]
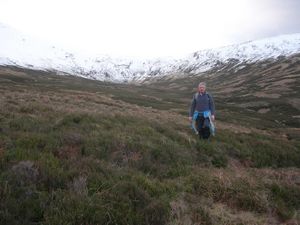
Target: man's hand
[(213, 117), (190, 118)]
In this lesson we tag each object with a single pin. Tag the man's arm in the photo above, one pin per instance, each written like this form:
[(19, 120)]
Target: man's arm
[(192, 108), (212, 107)]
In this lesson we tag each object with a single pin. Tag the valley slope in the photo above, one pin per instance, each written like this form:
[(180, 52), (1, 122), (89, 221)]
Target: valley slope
[(78, 151)]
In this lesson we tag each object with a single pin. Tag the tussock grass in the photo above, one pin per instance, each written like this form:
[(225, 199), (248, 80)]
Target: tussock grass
[(75, 152)]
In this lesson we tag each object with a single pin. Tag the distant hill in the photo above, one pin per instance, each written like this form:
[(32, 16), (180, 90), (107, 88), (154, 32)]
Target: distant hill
[(21, 50)]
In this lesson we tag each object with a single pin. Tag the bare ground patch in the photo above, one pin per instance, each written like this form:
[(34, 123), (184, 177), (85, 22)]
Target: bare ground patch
[(266, 95)]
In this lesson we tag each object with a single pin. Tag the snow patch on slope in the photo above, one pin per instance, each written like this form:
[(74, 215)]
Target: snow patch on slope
[(25, 51)]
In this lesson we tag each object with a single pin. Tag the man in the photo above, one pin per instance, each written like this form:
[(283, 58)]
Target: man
[(202, 110)]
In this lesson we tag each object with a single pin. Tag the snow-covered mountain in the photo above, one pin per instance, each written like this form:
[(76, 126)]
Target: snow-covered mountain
[(24, 51)]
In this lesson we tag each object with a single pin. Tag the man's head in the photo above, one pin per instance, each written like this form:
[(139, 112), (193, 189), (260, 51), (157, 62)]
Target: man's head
[(202, 87)]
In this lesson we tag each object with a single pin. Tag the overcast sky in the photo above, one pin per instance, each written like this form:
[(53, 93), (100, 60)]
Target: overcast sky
[(150, 28)]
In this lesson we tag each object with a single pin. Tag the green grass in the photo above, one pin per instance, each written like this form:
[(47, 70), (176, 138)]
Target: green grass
[(286, 199), (78, 153)]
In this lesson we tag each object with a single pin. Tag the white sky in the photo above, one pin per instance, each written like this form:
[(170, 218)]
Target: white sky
[(150, 28)]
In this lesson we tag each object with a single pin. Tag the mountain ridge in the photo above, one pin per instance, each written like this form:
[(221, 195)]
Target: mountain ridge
[(20, 50)]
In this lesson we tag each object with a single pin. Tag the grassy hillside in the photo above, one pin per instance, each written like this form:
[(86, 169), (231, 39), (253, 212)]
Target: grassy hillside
[(267, 91), (75, 151)]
